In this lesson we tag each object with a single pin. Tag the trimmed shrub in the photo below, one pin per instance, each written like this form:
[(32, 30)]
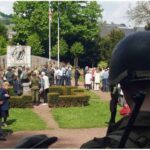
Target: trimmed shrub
[(68, 90), (53, 99), (11, 91), (73, 100), (24, 101), (75, 91), (56, 89), (15, 102), (27, 100), (62, 90)]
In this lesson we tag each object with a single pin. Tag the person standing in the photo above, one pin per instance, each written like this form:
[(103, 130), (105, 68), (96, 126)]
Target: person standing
[(68, 76), (45, 86), (97, 80), (88, 80), (4, 96), (16, 86), (76, 76), (35, 88)]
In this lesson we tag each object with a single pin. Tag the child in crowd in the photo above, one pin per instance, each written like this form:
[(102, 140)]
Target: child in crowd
[(4, 97)]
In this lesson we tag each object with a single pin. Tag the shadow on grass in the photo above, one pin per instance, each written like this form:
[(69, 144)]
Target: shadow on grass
[(11, 121)]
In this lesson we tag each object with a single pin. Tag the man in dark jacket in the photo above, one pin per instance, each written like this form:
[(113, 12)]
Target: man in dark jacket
[(76, 76)]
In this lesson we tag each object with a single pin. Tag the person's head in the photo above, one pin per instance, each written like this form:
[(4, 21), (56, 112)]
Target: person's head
[(130, 66), (43, 74), (6, 85), (34, 74)]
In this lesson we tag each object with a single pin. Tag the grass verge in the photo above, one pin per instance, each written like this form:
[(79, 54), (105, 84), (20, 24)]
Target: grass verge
[(25, 119), (94, 115)]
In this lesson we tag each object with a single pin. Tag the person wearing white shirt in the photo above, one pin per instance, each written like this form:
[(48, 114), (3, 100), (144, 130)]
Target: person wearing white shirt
[(88, 80), (45, 85), (97, 80)]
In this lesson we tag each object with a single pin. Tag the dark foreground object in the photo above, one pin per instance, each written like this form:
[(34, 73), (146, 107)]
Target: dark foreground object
[(36, 141)]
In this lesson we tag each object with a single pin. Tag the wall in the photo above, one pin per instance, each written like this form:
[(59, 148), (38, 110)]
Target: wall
[(35, 61)]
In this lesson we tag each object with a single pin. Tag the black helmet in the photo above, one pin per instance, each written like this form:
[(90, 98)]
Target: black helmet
[(131, 59)]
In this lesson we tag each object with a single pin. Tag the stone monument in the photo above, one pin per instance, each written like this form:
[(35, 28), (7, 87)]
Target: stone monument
[(18, 56)]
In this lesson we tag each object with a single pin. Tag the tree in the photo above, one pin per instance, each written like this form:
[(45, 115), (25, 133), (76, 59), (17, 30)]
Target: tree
[(35, 43), (103, 64), (3, 45), (79, 21), (140, 13), (3, 30), (63, 48), (108, 43), (31, 17), (77, 49)]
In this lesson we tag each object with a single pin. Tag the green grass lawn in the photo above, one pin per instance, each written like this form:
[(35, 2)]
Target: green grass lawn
[(94, 115), (25, 119)]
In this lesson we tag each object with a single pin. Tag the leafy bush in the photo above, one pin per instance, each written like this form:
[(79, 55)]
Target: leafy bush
[(75, 91), (11, 91), (56, 89), (68, 90), (21, 101), (62, 90), (53, 99), (73, 100)]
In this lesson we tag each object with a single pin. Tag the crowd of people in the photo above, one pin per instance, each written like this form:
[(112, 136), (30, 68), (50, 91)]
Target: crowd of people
[(36, 81), (96, 78)]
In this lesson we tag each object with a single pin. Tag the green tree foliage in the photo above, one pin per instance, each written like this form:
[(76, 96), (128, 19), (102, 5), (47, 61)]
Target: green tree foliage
[(3, 30), (77, 49), (3, 45), (102, 64), (108, 43), (63, 48), (35, 43), (31, 17), (79, 22)]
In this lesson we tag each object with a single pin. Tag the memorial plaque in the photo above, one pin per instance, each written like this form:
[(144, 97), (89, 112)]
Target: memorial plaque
[(18, 56)]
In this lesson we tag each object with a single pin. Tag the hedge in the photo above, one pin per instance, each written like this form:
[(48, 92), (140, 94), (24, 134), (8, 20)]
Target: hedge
[(11, 91), (55, 100), (75, 91), (56, 89), (24, 101), (68, 90), (62, 90)]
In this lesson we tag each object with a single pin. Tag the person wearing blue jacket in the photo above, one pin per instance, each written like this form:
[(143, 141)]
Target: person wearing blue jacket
[(4, 96)]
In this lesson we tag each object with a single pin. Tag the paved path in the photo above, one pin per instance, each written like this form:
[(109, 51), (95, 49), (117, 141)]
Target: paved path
[(45, 113), (67, 138)]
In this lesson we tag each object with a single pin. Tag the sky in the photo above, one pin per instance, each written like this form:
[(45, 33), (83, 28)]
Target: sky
[(114, 11)]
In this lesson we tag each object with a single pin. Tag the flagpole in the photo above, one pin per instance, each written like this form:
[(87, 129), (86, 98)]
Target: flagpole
[(50, 20), (58, 48)]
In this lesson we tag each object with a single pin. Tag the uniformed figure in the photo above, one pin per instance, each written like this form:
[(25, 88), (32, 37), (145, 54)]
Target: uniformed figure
[(129, 66)]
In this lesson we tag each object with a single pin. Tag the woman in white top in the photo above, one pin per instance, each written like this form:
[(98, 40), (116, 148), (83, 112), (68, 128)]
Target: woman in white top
[(88, 80), (97, 79)]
